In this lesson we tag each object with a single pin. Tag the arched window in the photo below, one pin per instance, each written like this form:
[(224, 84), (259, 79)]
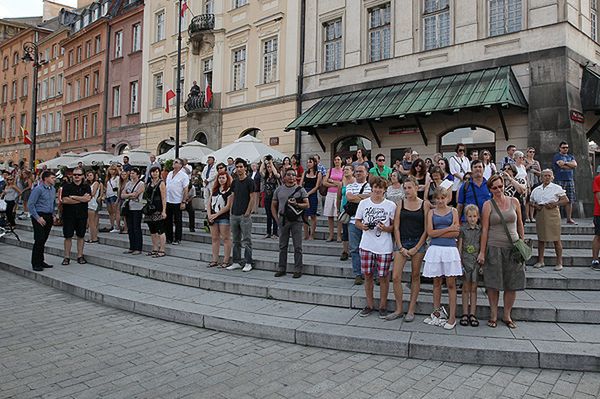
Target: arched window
[(252, 132), (165, 146), (15, 58), (123, 149), (474, 137), (347, 146), (201, 137)]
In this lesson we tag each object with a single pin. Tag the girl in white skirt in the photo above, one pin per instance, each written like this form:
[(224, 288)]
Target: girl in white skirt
[(442, 258)]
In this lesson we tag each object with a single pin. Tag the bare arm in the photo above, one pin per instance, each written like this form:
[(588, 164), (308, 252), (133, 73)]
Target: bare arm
[(163, 197), (485, 226), (251, 204), (520, 228), (275, 209)]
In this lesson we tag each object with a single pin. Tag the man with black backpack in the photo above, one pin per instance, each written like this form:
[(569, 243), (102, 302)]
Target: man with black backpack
[(474, 190), (288, 205)]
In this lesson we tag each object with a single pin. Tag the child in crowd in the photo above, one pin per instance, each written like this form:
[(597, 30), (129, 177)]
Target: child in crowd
[(442, 259), (468, 246)]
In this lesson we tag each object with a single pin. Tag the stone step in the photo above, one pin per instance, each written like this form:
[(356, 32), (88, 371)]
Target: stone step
[(532, 344), (574, 241), (532, 305)]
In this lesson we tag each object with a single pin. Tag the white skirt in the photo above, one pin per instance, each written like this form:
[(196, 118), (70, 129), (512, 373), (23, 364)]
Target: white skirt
[(442, 261), (330, 208)]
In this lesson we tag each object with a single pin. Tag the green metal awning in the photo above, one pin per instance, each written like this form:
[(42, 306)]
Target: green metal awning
[(483, 88)]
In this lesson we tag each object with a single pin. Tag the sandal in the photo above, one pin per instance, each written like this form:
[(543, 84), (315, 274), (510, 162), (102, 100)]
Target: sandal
[(66, 261), (159, 254), (81, 260), (225, 264), (473, 321), (492, 323), (92, 241), (510, 324), (151, 253), (213, 264), (464, 320)]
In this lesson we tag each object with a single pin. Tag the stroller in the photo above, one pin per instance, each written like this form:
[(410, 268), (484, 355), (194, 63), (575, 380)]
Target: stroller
[(5, 228)]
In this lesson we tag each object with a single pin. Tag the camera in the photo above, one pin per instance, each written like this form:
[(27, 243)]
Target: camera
[(372, 225), (269, 157)]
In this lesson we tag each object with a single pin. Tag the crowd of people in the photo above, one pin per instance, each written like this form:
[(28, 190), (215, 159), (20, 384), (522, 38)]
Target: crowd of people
[(454, 218)]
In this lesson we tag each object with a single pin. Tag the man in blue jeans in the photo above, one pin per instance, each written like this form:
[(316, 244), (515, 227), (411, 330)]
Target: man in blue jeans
[(244, 197), (356, 192)]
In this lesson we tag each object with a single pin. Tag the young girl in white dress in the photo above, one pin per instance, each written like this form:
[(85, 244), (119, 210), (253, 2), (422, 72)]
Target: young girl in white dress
[(442, 259)]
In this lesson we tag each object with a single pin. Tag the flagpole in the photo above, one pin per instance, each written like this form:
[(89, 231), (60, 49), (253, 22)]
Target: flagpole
[(178, 88)]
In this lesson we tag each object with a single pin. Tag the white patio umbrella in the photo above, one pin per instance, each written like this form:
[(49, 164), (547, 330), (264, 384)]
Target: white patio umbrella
[(193, 151), (137, 157), (92, 158), (60, 161), (249, 148)]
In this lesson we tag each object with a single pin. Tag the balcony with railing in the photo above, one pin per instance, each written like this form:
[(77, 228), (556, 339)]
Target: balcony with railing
[(200, 32), (196, 102)]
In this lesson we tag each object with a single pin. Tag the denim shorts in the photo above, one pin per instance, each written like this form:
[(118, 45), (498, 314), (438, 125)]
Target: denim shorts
[(409, 243), (221, 221), (111, 200)]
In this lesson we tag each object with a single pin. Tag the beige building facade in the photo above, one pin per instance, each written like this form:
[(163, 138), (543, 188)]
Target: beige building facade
[(351, 50)]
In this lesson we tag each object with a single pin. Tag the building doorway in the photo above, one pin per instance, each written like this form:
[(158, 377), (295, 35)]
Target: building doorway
[(474, 137), (347, 146), (201, 138), (165, 146)]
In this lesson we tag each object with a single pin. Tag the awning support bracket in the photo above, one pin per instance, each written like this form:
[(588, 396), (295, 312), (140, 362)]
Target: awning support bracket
[(314, 132), (374, 132), (421, 131), (589, 133), (502, 121)]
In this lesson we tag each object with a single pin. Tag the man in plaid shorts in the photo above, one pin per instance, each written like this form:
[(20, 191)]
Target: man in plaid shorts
[(563, 166), (375, 217)]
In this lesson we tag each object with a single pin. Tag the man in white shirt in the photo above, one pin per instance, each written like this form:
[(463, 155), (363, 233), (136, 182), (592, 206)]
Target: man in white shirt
[(356, 192), (177, 187), (459, 165), (209, 174)]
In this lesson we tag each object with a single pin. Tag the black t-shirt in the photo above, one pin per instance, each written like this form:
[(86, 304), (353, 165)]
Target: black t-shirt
[(79, 210), (241, 190)]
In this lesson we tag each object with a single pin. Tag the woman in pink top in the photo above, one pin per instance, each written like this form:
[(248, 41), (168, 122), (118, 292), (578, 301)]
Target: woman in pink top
[(333, 182)]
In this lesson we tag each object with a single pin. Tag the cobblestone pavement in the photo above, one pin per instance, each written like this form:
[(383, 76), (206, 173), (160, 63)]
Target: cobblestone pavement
[(54, 345)]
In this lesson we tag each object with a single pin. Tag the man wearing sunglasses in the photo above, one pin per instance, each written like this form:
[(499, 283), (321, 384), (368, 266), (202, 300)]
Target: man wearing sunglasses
[(75, 197), (380, 169), (563, 166)]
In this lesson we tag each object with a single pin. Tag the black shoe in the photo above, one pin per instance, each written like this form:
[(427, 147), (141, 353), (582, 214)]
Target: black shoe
[(297, 275), (280, 273), (37, 268), (344, 256), (47, 266)]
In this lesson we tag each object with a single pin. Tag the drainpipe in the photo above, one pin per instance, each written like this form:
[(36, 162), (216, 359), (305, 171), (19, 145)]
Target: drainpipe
[(106, 69), (300, 87)]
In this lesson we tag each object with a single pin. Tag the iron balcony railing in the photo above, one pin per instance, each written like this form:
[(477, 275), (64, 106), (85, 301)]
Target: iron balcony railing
[(202, 22), (196, 102)]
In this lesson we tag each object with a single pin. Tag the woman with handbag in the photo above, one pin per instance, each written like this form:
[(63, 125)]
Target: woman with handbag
[(329, 188), (503, 266), (94, 206), (132, 195), (155, 212)]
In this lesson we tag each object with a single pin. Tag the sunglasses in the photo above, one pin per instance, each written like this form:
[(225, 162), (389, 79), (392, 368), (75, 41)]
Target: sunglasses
[(461, 150), (290, 174), (497, 187), (381, 160), (564, 148), (77, 174)]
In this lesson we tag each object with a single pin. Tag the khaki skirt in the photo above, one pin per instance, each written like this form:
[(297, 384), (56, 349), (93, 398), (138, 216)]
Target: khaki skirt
[(547, 223)]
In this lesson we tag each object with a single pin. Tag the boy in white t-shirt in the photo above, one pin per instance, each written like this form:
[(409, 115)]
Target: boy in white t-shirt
[(375, 217)]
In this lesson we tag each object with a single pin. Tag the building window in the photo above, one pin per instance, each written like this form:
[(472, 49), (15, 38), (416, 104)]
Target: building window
[(116, 101), (43, 125), (78, 90), (84, 126), (50, 122), (333, 45), (15, 58), (181, 78), (436, 22), (119, 44), (158, 90), (55, 51), (14, 91), (239, 3), (209, 7), (5, 63), (133, 97), (96, 81), (59, 84), (269, 68), (183, 19), (4, 93), (24, 86), (207, 71), (88, 49), (160, 25), (239, 69), (58, 121), (24, 120), (13, 127), (97, 44), (136, 37), (79, 58), (379, 33), (594, 19), (506, 16), (70, 58), (86, 86), (68, 131), (2, 128), (45, 89), (52, 87), (75, 128), (94, 124), (69, 93)]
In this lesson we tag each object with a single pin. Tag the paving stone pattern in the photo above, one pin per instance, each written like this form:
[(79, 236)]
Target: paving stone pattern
[(54, 345)]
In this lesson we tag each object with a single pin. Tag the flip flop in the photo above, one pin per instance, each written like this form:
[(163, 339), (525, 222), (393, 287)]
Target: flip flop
[(510, 324), (66, 261), (159, 254), (492, 323), (81, 260)]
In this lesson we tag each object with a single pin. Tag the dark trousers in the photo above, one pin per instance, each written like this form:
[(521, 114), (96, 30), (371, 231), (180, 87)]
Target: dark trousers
[(191, 215), (10, 213), (134, 230), (293, 229), (173, 216), (40, 235), (271, 225)]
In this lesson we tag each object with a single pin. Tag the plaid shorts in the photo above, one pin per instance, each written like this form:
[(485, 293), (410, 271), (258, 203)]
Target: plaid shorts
[(369, 262), (569, 187)]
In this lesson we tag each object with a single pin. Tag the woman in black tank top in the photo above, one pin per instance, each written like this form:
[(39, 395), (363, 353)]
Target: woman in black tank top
[(409, 238)]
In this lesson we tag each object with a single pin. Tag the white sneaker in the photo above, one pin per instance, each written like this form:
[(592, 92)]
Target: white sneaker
[(247, 268), (234, 266), (558, 268), (538, 265), (114, 231)]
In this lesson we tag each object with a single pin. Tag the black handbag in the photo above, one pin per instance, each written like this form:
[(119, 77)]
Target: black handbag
[(150, 208), (351, 207)]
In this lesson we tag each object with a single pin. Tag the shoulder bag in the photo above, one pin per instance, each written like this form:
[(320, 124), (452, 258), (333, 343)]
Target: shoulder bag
[(351, 207), (149, 208), (125, 206), (292, 213), (521, 250), (323, 188)]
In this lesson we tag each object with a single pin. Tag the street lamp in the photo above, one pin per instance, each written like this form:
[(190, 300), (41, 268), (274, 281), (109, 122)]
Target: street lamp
[(31, 55), (178, 87)]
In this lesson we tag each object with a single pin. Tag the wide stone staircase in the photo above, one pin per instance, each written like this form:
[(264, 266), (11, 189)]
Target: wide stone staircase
[(558, 315)]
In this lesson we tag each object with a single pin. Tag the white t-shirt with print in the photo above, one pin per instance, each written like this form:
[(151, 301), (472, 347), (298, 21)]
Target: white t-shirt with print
[(354, 188), (375, 240)]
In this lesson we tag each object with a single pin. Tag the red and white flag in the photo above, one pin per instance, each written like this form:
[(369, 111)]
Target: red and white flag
[(170, 94), (207, 94), (184, 7), (26, 138)]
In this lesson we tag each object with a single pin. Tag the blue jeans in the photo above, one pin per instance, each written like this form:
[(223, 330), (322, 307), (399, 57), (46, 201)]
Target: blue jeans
[(355, 234)]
